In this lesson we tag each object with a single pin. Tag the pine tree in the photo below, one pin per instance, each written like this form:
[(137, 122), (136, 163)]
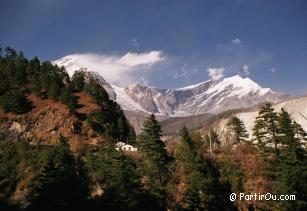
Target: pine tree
[(78, 80), (122, 128), (266, 128), (21, 66), (292, 169), (68, 98), (202, 188), (10, 53), (259, 133), (54, 90), (14, 101), (99, 94), (59, 185), (154, 164), (132, 134), (36, 86), (238, 128), (116, 173)]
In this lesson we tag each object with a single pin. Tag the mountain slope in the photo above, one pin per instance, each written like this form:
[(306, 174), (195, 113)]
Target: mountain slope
[(212, 96), (296, 107)]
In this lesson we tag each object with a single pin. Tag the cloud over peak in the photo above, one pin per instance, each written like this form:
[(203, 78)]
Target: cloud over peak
[(216, 73), (245, 69), (237, 41), (117, 69)]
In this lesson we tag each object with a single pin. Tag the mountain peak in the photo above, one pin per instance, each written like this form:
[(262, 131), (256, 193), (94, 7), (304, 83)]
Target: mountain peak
[(211, 96)]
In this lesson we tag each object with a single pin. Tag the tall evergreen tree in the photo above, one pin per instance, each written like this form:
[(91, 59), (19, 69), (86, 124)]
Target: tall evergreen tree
[(266, 128), (116, 174), (99, 94), (132, 134), (68, 98), (202, 188), (59, 185), (238, 128), (14, 101), (292, 169), (78, 80), (154, 163)]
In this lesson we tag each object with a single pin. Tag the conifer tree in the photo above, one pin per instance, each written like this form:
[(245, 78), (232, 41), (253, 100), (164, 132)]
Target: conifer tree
[(202, 188), (59, 185), (68, 98), (238, 128), (132, 134), (99, 94), (266, 128), (116, 173), (10, 53), (154, 164), (78, 80), (292, 168), (14, 101), (54, 90), (21, 66)]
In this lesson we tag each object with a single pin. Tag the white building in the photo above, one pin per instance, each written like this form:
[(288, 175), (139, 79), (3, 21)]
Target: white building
[(125, 147)]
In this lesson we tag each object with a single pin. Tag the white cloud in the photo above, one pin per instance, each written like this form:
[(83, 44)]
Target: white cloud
[(216, 73), (237, 41), (186, 72), (117, 69), (144, 81), (183, 73), (135, 43), (273, 70), (245, 69)]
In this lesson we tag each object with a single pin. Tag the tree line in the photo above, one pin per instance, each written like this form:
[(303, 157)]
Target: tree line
[(193, 176)]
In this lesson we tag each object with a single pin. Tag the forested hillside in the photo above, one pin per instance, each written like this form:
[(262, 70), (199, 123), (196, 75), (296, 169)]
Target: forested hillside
[(44, 169)]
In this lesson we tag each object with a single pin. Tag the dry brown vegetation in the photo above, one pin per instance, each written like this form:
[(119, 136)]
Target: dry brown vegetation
[(48, 119)]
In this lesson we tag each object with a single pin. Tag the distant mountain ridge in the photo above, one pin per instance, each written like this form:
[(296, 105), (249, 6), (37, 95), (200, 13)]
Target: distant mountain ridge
[(212, 96)]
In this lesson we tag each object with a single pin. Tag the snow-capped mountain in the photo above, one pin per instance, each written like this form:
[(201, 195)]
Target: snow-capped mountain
[(212, 96)]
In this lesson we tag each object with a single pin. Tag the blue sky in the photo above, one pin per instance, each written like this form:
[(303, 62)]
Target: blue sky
[(265, 40)]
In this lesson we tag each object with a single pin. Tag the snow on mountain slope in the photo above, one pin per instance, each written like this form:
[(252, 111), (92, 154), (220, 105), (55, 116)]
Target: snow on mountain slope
[(125, 100), (212, 96)]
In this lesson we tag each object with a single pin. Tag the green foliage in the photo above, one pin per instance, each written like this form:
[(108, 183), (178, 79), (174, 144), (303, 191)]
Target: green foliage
[(10, 53), (78, 80), (14, 101), (8, 160), (68, 98), (292, 170), (238, 128), (98, 93), (202, 188), (54, 90), (266, 128), (132, 134), (19, 163), (59, 184), (116, 174), (155, 162), (288, 165), (109, 119)]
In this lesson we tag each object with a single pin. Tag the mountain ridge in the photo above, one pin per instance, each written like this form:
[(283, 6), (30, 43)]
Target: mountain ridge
[(211, 96)]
